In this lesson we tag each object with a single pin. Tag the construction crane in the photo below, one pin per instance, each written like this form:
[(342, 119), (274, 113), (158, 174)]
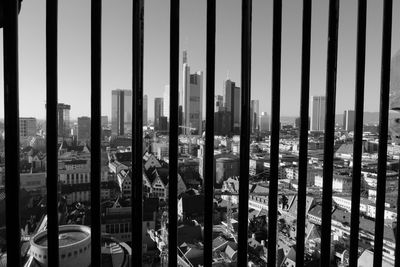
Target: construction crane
[(190, 129)]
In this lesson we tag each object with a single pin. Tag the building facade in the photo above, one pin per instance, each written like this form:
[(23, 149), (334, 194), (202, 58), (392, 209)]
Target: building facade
[(158, 111), (63, 120), (232, 96), (84, 129), (348, 120), (145, 110), (192, 98), (27, 127), (254, 114), (121, 110), (318, 113)]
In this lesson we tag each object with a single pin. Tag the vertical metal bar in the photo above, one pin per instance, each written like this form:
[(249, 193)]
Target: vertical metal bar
[(329, 131), (11, 112), (137, 126), (51, 130), (358, 131), (275, 119), (383, 131), (95, 139), (304, 110), (245, 132), (209, 149), (173, 133), (397, 252)]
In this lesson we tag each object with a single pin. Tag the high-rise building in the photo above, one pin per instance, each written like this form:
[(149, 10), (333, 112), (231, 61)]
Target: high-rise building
[(158, 111), (192, 98), (64, 128), (104, 121), (254, 115), (222, 122), (232, 98), (348, 120), (121, 110), (166, 102), (219, 103), (264, 122), (83, 129), (145, 110), (163, 124), (27, 127), (318, 113)]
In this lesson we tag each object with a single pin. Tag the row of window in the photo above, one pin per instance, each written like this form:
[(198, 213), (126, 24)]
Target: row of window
[(83, 179), (118, 228), (63, 256), (76, 252)]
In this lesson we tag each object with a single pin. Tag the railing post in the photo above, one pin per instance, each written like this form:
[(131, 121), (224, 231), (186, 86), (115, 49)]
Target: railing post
[(209, 147), (244, 132), (329, 131), (383, 131), (275, 128), (11, 129), (304, 111), (95, 138), (173, 133), (137, 127), (51, 130), (358, 131)]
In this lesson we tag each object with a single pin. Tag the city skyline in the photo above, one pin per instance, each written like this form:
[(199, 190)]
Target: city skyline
[(74, 52)]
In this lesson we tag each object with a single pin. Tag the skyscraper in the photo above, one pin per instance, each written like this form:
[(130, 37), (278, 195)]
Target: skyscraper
[(219, 103), (121, 110), (145, 112), (158, 111), (232, 98), (264, 122), (348, 120), (318, 113), (83, 129), (104, 121), (166, 102), (27, 127), (254, 114), (63, 119), (192, 98)]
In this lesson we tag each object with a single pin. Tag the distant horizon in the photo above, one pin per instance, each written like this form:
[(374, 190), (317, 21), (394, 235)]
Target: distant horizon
[(74, 52), (151, 118)]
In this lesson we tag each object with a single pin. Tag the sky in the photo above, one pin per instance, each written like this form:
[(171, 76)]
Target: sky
[(74, 51)]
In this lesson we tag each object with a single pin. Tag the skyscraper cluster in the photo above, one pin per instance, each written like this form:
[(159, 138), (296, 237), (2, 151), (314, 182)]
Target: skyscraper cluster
[(227, 107)]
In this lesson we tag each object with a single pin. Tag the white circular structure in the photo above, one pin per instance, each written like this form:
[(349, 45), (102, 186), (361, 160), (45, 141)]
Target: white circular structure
[(74, 243)]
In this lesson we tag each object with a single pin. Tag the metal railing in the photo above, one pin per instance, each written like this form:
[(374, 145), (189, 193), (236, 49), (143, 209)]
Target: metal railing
[(12, 130)]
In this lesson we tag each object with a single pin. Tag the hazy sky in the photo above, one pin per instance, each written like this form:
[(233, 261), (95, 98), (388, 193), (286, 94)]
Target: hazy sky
[(74, 51)]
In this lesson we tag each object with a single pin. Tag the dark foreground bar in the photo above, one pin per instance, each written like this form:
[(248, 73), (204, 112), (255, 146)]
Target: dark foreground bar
[(275, 128), (383, 131), (358, 131), (244, 132), (11, 127), (304, 111), (95, 138), (51, 129), (137, 126), (173, 134), (209, 150), (329, 131)]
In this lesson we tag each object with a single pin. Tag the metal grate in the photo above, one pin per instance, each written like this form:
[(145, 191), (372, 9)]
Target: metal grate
[(12, 130)]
